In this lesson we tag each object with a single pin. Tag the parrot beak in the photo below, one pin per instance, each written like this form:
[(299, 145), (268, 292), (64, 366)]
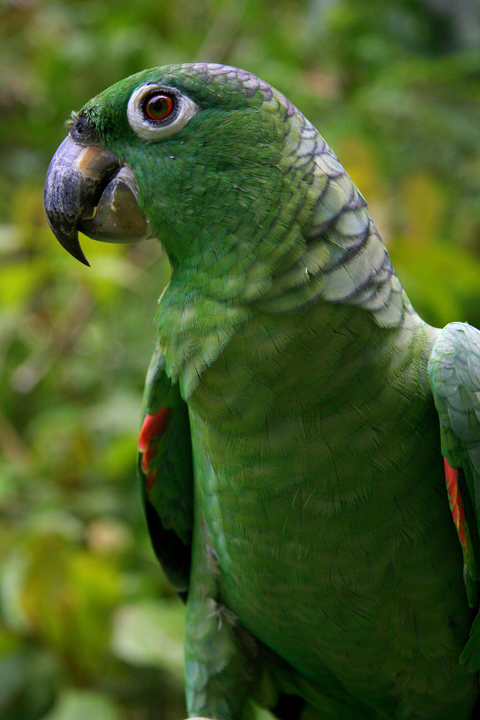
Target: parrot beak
[(88, 188)]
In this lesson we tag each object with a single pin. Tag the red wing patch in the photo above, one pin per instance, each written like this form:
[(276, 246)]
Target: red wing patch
[(458, 513), (152, 430)]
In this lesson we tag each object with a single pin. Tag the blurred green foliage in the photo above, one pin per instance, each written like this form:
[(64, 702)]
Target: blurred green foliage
[(89, 627)]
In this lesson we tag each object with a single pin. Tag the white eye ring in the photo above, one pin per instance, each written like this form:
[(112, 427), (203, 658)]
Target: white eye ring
[(148, 129)]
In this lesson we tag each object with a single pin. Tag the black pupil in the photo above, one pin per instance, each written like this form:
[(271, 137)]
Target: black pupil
[(159, 107)]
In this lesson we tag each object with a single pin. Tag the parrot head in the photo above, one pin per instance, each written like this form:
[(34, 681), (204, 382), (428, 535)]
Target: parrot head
[(187, 153)]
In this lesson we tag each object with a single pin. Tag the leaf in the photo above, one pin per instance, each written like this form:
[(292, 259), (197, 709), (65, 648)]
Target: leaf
[(150, 633), (82, 704)]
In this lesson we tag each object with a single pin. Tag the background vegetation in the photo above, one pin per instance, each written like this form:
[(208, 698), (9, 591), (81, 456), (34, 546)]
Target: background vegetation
[(89, 628)]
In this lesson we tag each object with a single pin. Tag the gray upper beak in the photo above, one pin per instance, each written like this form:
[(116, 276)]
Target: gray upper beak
[(87, 188)]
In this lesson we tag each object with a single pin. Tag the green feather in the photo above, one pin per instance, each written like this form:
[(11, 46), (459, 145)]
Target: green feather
[(325, 565)]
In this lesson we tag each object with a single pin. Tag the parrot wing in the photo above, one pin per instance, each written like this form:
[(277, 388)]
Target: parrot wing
[(166, 473), (454, 369)]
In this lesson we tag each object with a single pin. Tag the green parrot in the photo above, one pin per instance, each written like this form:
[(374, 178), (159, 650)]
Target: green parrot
[(310, 450)]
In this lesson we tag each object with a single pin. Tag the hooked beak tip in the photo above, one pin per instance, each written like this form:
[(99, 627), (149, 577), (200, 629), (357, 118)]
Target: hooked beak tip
[(72, 245)]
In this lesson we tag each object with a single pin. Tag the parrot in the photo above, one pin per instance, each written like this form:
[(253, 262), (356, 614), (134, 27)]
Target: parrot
[(309, 455)]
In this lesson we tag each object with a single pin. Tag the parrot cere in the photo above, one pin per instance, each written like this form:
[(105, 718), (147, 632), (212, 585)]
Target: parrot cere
[(310, 450)]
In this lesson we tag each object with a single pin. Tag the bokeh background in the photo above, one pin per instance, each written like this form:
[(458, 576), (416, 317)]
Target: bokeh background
[(89, 627)]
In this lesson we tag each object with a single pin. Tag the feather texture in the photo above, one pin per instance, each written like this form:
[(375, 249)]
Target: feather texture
[(290, 456)]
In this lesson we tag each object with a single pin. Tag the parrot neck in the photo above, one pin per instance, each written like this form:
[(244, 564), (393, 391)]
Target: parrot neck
[(304, 239), (195, 328)]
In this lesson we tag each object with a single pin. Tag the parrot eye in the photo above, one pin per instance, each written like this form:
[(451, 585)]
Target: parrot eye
[(159, 107), (156, 112)]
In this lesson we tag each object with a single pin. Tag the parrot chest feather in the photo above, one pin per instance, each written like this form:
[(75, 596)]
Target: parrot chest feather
[(295, 465)]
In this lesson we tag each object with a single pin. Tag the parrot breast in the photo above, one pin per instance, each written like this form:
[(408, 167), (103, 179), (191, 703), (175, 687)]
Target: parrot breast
[(304, 516)]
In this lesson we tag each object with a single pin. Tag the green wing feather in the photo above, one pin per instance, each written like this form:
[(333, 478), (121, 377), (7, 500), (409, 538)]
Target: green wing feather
[(166, 473), (454, 369)]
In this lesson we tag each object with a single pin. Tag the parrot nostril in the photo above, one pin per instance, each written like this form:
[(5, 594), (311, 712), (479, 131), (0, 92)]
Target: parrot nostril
[(82, 131)]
